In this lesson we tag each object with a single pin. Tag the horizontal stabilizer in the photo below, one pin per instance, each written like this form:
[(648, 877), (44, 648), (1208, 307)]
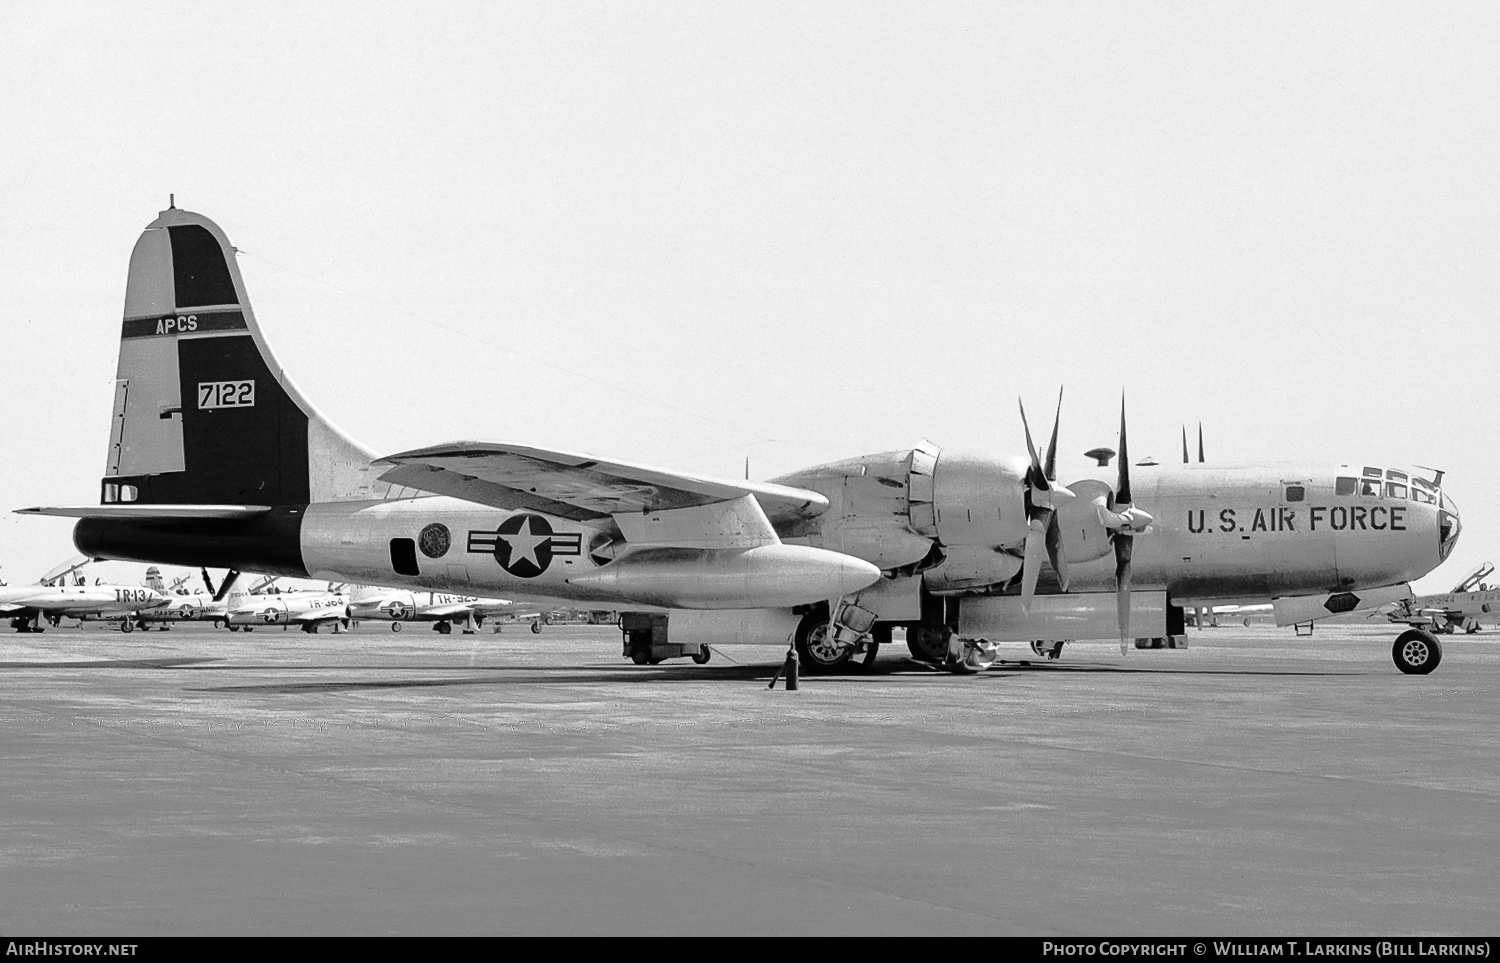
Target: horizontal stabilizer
[(579, 487), (146, 512)]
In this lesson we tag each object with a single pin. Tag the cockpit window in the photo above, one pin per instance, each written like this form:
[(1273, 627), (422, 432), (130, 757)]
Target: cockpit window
[(1370, 487), (1395, 490), (1345, 486), (1395, 475), (1295, 493), (1373, 472), (1425, 497)]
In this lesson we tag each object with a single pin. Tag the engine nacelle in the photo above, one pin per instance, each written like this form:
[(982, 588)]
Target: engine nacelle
[(980, 500)]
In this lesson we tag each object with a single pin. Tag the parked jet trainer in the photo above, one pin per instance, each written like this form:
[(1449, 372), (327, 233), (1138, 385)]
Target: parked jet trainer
[(216, 459), (442, 609)]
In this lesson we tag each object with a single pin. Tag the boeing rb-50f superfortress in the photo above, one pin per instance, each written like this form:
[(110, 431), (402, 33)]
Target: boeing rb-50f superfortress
[(216, 459)]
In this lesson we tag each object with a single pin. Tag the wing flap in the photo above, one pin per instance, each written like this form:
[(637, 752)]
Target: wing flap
[(575, 486)]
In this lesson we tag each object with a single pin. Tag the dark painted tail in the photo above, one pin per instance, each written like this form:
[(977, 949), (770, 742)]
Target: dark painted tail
[(203, 413)]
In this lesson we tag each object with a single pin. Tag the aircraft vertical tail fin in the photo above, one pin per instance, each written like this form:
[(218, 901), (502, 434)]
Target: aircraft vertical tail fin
[(203, 412), (364, 593)]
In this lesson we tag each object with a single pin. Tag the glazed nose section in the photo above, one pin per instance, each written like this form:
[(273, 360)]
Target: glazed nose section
[(1448, 526)]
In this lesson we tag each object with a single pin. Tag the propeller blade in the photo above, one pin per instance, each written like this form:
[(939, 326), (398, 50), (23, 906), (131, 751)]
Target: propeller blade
[(1055, 551), (1184, 445), (1122, 490), (226, 585), (1031, 565), (1034, 476), (208, 583), (1200, 442), (1124, 543), (1049, 470)]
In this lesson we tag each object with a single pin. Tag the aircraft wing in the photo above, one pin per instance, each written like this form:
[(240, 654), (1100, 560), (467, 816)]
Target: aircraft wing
[(321, 615), (579, 487), (121, 512), (447, 611)]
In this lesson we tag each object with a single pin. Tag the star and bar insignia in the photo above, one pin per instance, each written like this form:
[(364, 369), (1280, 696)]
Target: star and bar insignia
[(525, 545)]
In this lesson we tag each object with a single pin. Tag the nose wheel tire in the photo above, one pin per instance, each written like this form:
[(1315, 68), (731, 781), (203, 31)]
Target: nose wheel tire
[(1416, 652)]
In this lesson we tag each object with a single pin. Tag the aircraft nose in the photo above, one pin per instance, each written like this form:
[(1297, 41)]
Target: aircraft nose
[(1448, 526)]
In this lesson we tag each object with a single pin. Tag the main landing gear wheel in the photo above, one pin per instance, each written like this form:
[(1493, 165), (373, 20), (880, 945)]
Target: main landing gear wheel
[(443, 628), (879, 635), (536, 628), (220, 623), (640, 654), (395, 626), (816, 649), (928, 643), (1416, 652), (127, 626)]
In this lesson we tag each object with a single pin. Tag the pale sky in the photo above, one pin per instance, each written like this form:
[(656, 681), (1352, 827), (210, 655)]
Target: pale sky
[(684, 234)]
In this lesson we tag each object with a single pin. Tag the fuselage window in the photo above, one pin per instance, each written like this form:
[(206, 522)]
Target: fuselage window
[(1373, 472), (1345, 486), (1395, 490), (1295, 493), (1370, 487), (129, 493)]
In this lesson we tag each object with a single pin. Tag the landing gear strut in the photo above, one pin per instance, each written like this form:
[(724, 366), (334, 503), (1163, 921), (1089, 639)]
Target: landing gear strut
[(822, 647)]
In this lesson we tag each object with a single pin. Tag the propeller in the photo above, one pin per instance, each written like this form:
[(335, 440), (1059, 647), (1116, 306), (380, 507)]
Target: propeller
[(1185, 447), (208, 582), (229, 579), (1043, 496), (1118, 514)]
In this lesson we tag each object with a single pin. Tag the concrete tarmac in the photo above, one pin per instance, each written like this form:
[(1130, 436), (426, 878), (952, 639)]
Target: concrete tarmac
[(208, 782)]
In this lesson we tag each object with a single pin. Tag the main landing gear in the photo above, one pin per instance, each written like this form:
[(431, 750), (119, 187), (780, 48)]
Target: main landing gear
[(944, 648), (1416, 652), (820, 651)]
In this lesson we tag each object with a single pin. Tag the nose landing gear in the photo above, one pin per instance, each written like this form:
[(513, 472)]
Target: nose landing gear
[(1416, 652)]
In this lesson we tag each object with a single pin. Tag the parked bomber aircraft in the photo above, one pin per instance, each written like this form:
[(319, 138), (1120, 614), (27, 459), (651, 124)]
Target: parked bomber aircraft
[(215, 458)]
